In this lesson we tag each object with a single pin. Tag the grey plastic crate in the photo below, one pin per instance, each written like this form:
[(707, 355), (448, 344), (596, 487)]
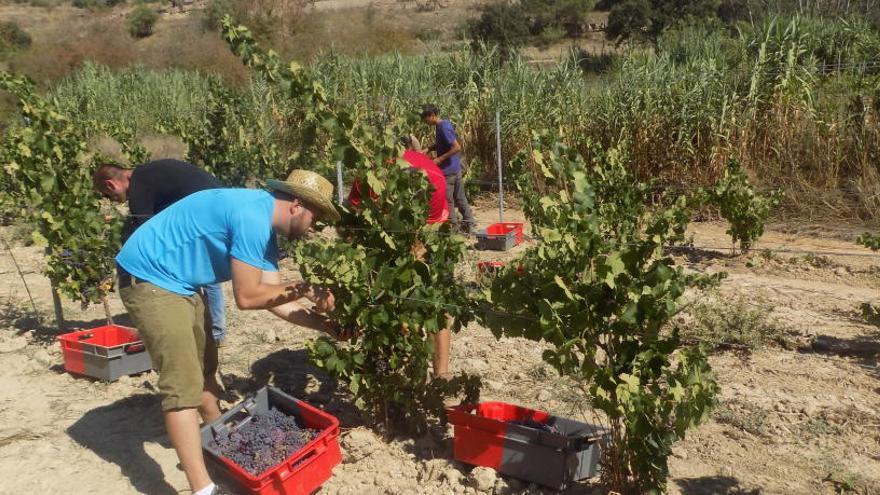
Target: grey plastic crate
[(121, 364), (549, 459), (496, 242), (105, 353), (555, 459)]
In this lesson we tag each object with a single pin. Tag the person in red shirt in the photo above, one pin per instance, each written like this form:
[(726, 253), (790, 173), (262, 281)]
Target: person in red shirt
[(438, 212)]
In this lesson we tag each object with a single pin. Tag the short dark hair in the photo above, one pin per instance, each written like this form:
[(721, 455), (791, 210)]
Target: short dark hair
[(429, 109), (284, 196), (107, 171)]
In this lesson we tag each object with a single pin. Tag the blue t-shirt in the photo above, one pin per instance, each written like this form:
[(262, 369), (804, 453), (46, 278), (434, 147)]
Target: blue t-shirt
[(444, 139), (190, 244)]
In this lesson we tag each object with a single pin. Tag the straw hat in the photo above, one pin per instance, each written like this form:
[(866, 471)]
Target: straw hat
[(312, 189)]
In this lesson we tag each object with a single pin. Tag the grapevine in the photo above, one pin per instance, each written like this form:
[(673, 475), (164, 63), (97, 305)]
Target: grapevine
[(600, 290), (739, 203), (48, 177), (394, 296), (870, 312), (228, 143)]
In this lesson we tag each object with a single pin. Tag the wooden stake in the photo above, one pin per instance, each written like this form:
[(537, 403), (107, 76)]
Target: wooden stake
[(107, 310), (59, 310), (21, 276)]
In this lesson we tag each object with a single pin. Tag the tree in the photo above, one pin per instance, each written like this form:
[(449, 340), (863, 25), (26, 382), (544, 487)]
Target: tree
[(501, 25), (13, 36), (629, 20), (634, 19), (141, 21), (570, 15)]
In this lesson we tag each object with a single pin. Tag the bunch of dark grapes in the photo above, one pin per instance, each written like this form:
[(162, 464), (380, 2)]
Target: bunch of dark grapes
[(72, 259), (264, 441), (531, 423)]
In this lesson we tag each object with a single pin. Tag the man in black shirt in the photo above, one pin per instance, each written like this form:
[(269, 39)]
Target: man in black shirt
[(149, 189)]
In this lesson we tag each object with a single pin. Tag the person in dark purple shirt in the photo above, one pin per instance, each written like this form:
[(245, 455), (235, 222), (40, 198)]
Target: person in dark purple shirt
[(448, 159)]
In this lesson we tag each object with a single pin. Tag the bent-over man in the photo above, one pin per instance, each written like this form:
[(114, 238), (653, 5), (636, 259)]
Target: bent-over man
[(210, 237)]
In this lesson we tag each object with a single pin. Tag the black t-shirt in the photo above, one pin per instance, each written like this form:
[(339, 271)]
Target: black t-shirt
[(157, 185)]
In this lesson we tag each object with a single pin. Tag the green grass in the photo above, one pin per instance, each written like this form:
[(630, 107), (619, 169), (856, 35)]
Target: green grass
[(137, 98), (721, 320), (745, 416), (678, 111), (845, 481), (817, 426)]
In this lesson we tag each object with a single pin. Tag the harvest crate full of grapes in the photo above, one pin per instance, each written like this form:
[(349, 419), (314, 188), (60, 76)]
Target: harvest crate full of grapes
[(273, 444)]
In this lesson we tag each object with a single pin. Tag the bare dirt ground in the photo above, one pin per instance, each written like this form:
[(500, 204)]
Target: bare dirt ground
[(797, 419)]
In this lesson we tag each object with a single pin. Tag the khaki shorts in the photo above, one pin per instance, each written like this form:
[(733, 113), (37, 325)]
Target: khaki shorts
[(178, 337)]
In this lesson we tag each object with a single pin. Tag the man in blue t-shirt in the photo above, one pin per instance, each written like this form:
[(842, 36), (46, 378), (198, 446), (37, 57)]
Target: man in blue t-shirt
[(448, 158), (209, 237)]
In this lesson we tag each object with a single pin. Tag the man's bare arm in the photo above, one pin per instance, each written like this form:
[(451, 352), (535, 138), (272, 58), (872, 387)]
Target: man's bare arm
[(298, 315), (456, 147), (252, 292)]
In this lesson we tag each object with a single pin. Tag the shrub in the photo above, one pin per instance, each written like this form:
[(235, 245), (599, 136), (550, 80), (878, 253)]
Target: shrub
[(742, 206), (13, 36), (214, 12), (141, 21), (97, 4), (628, 20), (427, 35), (551, 35), (265, 18), (870, 241), (566, 15), (739, 321), (633, 19), (594, 63), (508, 25)]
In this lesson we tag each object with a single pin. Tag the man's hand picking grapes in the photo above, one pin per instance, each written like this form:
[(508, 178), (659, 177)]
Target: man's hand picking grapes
[(323, 299)]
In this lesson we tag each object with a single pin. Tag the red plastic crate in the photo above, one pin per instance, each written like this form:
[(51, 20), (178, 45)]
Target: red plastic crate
[(106, 352), (483, 436), (303, 472), (503, 228), (500, 236)]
